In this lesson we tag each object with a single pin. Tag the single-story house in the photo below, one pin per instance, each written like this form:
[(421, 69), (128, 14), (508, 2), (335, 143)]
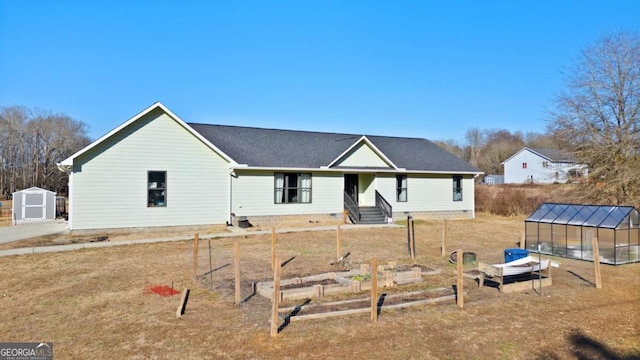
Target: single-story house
[(541, 166), (157, 170)]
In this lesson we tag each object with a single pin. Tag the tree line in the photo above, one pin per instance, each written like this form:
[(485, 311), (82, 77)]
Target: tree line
[(596, 117), (32, 142), (487, 149)]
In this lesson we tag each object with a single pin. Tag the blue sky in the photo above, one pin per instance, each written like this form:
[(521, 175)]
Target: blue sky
[(403, 68)]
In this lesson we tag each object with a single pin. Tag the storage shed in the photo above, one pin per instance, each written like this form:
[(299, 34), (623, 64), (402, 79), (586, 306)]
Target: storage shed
[(567, 230), (33, 205)]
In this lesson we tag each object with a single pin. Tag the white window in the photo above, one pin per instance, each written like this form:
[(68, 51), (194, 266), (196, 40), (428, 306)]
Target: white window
[(292, 188)]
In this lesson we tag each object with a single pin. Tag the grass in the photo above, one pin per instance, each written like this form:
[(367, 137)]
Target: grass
[(91, 303)]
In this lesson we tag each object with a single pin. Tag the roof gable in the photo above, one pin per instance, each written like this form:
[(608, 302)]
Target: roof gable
[(553, 155), (363, 154), (156, 106), (33, 189)]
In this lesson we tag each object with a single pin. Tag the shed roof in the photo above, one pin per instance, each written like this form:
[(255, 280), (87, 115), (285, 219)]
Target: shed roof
[(34, 189), (604, 216)]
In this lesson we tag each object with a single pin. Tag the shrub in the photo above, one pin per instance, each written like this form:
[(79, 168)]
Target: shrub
[(514, 200)]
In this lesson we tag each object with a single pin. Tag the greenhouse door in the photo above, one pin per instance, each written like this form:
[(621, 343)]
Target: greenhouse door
[(587, 243)]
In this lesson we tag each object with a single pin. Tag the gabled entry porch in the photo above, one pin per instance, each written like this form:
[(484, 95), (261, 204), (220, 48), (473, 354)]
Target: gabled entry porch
[(363, 202)]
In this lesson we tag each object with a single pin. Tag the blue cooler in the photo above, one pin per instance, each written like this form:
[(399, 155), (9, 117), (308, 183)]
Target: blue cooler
[(515, 254)]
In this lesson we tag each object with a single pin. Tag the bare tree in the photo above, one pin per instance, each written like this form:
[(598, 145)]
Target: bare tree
[(31, 143), (541, 141), (500, 144), (597, 117), (12, 121), (451, 146), (476, 139)]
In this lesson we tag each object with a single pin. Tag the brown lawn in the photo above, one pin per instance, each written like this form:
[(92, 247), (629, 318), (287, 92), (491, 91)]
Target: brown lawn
[(93, 304)]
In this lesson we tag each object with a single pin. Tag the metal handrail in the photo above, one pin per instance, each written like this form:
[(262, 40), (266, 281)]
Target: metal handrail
[(384, 206), (352, 207)]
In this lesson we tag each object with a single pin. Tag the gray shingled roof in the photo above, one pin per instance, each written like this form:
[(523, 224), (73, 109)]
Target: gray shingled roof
[(258, 147), (556, 155)]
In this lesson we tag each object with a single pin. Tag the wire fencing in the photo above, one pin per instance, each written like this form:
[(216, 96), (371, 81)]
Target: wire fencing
[(313, 275)]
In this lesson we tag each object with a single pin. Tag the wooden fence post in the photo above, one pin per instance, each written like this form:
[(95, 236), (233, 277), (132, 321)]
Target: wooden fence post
[(195, 256), (273, 248), (522, 239), (413, 240), (444, 237), (210, 267), (339, 243), (276, 298), (459, 284), (236, 253), (374, 289), (411, 237), (596, 262)]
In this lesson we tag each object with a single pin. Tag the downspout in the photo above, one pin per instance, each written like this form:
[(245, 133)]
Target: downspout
[(473, 212), (232, 175), (230, 198), (70, 211), (68, 169)]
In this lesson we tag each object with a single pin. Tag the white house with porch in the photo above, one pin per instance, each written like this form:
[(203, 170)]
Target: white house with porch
[(157, 170), (541, 166)]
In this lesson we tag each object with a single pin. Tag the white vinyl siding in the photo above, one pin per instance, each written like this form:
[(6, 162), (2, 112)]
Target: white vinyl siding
[(110, 182), (427, 193), (516, 173), (253, 195), (362, 156)]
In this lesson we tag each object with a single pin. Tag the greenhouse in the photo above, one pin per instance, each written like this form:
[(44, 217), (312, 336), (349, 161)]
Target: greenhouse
[(567, 230)]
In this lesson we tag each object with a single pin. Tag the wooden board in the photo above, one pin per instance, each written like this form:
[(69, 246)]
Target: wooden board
[(520, 286)]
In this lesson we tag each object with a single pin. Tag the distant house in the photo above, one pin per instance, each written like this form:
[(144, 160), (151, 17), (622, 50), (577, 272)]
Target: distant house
[(157, 170), (543, 166)]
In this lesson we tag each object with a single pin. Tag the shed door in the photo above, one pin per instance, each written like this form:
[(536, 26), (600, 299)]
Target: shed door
[(33, 205)]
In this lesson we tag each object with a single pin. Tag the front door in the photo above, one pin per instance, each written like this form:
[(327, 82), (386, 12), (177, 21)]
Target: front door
[(351, 186)]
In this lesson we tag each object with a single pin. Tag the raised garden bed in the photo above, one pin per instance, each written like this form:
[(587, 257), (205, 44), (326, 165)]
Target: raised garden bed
[(310, 310), (351, 281)]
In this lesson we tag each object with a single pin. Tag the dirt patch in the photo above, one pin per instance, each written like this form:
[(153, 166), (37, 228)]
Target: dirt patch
[(91, 301)]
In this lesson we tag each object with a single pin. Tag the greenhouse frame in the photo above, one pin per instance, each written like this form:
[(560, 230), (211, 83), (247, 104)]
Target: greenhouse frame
[(567, 230)]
